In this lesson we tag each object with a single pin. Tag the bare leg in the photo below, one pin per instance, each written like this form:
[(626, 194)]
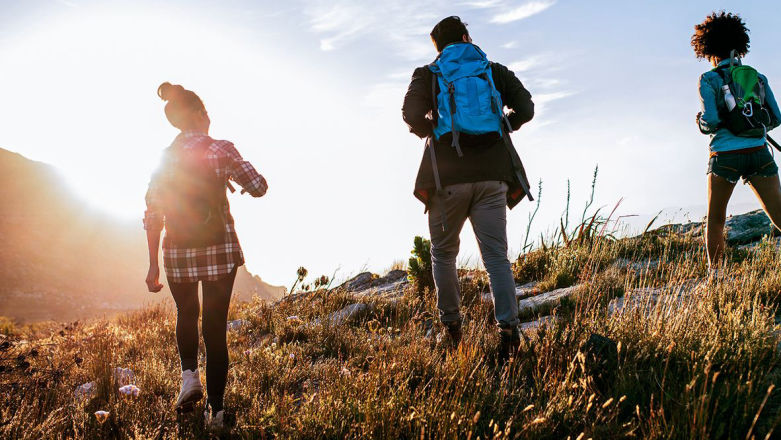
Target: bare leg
[(719, 192), (768, 190)]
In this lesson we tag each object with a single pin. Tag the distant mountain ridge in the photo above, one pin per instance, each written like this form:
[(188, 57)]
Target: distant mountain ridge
[(62, 260)]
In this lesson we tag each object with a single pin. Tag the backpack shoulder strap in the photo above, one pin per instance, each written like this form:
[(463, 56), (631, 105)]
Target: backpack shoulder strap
[(725, 72)]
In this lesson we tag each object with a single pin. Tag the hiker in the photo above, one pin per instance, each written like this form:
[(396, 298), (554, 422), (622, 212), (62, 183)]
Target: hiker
[(470, 170), (187, 196), (738, 109)]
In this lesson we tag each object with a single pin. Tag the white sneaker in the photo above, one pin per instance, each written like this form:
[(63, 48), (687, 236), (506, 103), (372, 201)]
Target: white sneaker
[(192, 389), (215, 423)]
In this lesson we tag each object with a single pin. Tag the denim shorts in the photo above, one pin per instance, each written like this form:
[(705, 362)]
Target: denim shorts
[(733, 166)]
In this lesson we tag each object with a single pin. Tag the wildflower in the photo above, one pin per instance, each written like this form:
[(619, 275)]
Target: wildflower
[(124, 376), (85, 390), (130, 390), (101, 416)]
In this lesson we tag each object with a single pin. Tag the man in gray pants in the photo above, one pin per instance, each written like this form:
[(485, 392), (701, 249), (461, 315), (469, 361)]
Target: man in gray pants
[(466, 175)]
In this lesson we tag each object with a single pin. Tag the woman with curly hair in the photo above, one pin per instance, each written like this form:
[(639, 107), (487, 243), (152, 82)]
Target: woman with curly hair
[(723, 40)]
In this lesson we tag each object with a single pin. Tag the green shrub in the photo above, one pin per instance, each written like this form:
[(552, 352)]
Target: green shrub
[(419, 270)]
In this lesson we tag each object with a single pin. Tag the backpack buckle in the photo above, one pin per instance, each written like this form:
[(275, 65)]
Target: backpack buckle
[(748, 109)]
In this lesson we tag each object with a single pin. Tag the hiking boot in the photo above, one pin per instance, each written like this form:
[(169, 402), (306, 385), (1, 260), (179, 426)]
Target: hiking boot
[(191, 392), (454, 333), (509, 343)]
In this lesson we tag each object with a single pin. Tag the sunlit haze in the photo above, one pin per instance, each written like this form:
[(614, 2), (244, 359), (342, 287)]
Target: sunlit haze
[(310, 92)]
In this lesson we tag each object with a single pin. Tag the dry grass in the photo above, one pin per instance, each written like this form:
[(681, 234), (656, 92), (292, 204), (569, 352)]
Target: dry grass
[(701, 365)]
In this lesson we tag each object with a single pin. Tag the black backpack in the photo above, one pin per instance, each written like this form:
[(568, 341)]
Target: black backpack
[(193, 197)]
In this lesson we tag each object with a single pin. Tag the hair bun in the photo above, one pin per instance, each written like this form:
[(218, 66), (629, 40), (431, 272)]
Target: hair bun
[(168, 91)]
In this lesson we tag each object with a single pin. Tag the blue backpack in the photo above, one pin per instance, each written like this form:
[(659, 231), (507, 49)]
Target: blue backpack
[(468, 101)]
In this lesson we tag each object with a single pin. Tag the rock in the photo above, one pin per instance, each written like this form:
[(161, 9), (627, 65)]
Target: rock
[(740, 229), (236, 324), (533, 326), (601, 361), (359, 282), (544, 302), (647, 298), (694, 228), (348, 313), (522, 291), (390, 286), (748, 228), (626, 264), (526, 290)]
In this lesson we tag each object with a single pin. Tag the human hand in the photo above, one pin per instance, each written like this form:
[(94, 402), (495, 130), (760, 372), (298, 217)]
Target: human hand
[(153, 279)]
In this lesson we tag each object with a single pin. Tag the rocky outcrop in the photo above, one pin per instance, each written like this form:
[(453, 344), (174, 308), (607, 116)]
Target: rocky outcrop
[(368, 283), (740, 229)]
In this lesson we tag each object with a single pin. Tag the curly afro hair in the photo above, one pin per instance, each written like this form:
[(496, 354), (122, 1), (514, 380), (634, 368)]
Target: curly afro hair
[(719, 35)]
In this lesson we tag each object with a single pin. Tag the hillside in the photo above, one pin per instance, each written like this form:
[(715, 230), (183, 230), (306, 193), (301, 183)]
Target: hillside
[(61, 260), (622, 339)]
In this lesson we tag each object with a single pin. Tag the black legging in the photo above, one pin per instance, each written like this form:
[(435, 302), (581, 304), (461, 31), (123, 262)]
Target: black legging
[(216, 300)]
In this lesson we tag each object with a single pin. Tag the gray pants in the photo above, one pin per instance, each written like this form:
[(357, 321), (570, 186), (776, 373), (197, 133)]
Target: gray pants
[(484, 204)]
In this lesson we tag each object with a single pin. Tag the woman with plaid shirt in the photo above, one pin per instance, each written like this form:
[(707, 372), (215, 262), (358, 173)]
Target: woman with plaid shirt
[(213, 262)]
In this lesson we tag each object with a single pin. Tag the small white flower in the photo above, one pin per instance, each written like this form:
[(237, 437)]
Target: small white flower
[(101, 416), (85, 390), (130, 390)]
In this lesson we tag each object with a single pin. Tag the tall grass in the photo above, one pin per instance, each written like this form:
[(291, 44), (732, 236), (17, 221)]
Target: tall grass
[(692, 358), (702, 364)]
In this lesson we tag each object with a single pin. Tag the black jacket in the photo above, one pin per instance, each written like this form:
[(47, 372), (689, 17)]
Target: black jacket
[(486, 157)]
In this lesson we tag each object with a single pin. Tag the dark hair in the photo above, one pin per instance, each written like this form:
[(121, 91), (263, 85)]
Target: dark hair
[(719, 35), (449, 30), (181, 103)]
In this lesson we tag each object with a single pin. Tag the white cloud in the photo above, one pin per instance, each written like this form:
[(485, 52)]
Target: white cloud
[(525, 64), (542, 99), (403, 24), (482, 4), (524, 11), (510, 45)]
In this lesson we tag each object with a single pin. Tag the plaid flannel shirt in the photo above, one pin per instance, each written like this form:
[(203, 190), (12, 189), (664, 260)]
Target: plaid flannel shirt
[(185, 265)]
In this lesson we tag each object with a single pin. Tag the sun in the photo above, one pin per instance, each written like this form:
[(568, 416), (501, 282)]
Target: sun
[(81, 93)]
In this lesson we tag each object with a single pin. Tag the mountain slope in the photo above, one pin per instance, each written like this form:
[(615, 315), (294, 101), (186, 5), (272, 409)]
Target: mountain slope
[(62, 260)]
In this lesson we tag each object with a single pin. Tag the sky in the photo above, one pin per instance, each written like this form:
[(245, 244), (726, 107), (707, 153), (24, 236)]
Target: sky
[(310, 92)]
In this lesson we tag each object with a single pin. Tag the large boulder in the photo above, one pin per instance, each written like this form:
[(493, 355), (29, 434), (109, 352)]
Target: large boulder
[(749, 227)]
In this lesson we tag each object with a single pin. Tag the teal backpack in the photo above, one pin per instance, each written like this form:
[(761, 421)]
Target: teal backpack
[(468, 101), (746, 114)]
